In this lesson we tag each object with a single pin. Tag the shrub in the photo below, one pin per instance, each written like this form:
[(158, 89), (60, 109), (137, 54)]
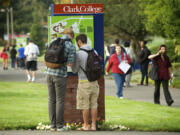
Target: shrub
[(170, 47)]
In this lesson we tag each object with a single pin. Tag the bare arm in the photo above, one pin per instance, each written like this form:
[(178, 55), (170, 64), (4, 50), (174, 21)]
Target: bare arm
[(170, 72), (154, 55)]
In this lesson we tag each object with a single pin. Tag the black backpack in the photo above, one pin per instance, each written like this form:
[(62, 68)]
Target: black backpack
[(54, 55), (93, 66)]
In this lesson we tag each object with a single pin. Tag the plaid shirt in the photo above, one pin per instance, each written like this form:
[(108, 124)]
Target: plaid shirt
[(69, 53)]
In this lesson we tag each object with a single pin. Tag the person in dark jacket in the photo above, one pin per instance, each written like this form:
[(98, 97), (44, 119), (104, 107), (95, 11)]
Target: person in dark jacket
[(142, 56), (13, 53), (164, 74)]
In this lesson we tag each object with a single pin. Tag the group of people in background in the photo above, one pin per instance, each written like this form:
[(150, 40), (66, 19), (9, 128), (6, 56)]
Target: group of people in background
[(16, 55), (24, 58), (115, 54)]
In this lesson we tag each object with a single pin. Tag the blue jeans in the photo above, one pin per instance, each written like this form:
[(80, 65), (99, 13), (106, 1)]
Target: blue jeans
[(119, 80)]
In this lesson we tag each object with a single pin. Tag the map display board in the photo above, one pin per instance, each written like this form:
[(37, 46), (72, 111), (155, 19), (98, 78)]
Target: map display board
[(79, 24)]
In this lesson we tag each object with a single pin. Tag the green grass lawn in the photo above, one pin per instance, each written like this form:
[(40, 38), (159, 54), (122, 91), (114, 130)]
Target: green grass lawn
[(24, 105), (142, 116)]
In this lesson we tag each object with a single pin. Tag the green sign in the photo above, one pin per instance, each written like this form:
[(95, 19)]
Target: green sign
[(79, 24)]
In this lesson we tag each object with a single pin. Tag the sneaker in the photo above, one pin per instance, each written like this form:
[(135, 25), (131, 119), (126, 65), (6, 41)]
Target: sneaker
[(170, 103), (52, 129), (33, 79), (61, 129), (121, 97), (29, 79)]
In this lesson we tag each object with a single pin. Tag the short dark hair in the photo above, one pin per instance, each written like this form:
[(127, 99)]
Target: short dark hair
[(162, 46), (116, 41), (127, 44), (144, 41), (82, 38)]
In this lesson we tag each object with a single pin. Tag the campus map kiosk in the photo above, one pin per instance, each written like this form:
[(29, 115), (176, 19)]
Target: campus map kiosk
[(87, 19)]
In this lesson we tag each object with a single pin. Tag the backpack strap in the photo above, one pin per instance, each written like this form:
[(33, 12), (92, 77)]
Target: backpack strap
[(86, 50)]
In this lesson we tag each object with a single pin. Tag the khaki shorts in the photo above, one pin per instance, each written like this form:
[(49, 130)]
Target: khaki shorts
[(87, 95)]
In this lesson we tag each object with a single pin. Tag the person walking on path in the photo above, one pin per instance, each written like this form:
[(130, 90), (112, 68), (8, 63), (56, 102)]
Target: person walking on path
[(21, 57), (118, 74), (164, 74), (106, 49), (4, 56), (31, 52), (88, 92), (130, 54), (56, 83), (142, 56), (13, 53)]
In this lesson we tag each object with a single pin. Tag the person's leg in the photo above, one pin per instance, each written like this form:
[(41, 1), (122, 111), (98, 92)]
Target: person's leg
[(23, 63), (3, 63), (157, 92), (167, 94), (142, 73), (13, 62), (128, 78), (85, 113), (33, 76), (146, 72), (6, 64), (51, 101), (28, 65), (34, 68), (60, 87), (94, 103), (119, 84), (94, 118)]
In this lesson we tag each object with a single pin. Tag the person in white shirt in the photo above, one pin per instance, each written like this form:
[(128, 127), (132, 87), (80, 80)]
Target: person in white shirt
[(106, 49), (131, 55), (31, 52)]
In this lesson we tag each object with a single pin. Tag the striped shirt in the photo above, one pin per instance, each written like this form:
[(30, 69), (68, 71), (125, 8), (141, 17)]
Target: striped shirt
[(69, 53)]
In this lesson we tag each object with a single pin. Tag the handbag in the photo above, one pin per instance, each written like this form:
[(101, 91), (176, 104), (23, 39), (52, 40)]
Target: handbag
[(153, 73)]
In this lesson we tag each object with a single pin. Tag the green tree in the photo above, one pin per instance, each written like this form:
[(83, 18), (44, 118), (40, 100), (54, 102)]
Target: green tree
[(122, 20), (162, 18), (23, 14), (36, 33)]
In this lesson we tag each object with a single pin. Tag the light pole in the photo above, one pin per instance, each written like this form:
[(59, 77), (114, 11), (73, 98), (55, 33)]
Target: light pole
[(12, 26), (7, 19)]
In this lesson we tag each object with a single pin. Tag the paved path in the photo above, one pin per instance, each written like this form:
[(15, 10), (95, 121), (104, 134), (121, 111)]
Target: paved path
[(141, 93)]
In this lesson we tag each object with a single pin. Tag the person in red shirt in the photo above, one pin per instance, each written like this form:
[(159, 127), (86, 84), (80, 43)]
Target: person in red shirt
[(4, 56), (118, 74), (164, 74)]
